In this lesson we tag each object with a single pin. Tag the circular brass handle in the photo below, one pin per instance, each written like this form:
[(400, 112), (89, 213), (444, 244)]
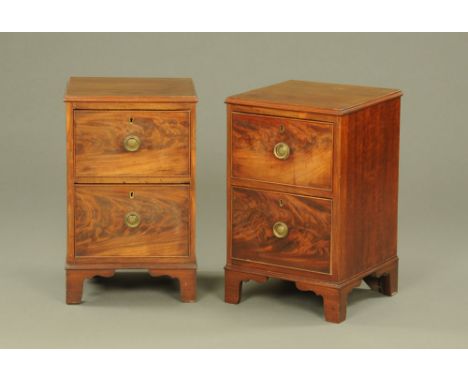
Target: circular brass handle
[(281, 151), (132, 220), (280, 230), (132, 143)]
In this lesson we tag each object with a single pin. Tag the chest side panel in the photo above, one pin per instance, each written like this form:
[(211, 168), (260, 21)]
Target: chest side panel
[(369, 187)]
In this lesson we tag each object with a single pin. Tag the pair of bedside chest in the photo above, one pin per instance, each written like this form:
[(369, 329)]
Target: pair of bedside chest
[(312, 185)]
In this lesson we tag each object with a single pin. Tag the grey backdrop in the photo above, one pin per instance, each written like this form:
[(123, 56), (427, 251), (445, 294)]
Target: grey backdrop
[(133, 310)]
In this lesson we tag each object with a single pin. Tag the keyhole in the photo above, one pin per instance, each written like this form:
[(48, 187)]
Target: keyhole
[(281, 203), (282, 129), (131, 194), (130, 120)]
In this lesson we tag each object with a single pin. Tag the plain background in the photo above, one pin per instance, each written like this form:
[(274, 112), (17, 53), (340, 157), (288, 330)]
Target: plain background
[(134, 310)]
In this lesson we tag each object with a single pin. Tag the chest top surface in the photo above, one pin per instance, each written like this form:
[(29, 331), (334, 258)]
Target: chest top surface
[(130, 89), (317, 97)]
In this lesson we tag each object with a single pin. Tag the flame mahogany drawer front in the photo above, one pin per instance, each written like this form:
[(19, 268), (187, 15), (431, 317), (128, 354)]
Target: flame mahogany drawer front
[(282, 229), (132, 143), (312, 182), (128, 221), (131, 179), (282, 150)]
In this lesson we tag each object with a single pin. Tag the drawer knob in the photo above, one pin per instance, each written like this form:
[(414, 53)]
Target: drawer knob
[(281, 151), (132, 143), (280, 230), (132, 220)]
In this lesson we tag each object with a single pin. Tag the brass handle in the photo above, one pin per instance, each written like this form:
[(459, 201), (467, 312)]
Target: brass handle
[(280, 230), (132, 220), (281, 151), (132, 143)]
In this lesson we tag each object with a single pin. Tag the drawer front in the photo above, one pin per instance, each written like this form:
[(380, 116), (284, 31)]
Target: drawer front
[(281, 229), (132, 143), (132, 221), (282, 150)]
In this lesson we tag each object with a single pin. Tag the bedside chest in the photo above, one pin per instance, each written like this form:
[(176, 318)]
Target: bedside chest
[(312, 189), (130, 179)]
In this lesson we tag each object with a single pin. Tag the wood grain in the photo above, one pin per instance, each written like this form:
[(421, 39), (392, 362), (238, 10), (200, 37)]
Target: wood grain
[(296, 114), (133, 179), (334, 294), (335, 299), (125, 89), (307, 245), (255, 136), (70, 155), (163, 106), (369, 187), (187, 281), (75, 280), (385, 279), (100, 151), (233, 284), (100, 229), (317, 97)]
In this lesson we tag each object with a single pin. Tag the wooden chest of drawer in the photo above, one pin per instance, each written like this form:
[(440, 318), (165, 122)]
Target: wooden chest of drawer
[(312, 189), (131, 179)]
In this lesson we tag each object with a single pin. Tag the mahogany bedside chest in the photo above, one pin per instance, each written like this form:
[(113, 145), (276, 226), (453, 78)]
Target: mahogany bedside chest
[(312, 189), (130, 179)]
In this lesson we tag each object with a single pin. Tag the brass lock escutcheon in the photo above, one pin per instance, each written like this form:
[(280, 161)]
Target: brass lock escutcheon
[(132, 143), (280, 230), (281, 151), (132, 220)]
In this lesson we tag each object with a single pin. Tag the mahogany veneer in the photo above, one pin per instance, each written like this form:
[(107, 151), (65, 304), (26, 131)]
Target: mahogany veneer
[(312, 189), (130, 179)]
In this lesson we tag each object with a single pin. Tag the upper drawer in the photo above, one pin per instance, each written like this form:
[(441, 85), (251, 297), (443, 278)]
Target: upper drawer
[(132, 143), (282, 150)]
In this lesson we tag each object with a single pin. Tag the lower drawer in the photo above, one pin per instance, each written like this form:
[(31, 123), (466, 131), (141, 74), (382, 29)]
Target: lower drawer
[(132, 221), (281, 229)]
